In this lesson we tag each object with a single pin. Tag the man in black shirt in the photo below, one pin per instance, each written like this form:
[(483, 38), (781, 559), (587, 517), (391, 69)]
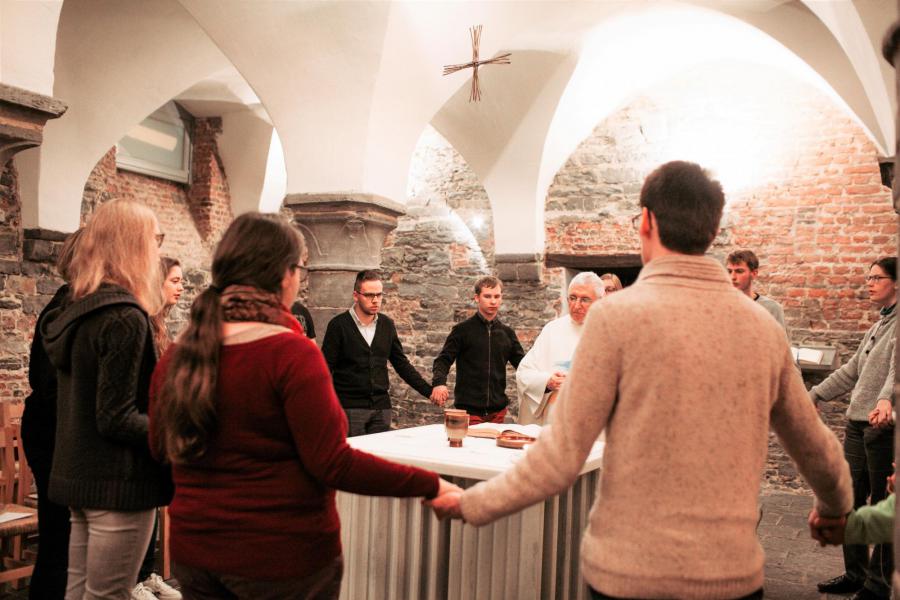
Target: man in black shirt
[(481, 346), (358, 345)]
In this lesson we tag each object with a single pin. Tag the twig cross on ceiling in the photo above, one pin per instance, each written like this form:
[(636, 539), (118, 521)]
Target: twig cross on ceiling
[(503, 59)]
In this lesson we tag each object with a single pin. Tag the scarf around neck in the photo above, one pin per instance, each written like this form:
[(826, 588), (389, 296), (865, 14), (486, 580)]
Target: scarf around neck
[(248, 303)]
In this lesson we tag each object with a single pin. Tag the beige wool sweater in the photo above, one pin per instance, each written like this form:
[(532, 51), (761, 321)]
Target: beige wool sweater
[(687, 375)]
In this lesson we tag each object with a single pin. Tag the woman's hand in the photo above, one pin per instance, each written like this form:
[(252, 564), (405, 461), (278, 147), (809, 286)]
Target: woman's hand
[(446, 503), (881, 416)]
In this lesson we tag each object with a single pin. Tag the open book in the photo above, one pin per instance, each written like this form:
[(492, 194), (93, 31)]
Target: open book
[(808, 355), (493, 430)]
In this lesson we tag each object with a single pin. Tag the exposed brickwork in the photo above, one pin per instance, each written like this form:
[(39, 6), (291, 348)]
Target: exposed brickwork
[(803, 189), (808, 201), (28, 278), (209, 198)]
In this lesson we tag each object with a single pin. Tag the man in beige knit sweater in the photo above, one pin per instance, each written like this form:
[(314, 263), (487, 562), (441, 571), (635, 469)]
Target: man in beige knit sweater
[(663, 367)]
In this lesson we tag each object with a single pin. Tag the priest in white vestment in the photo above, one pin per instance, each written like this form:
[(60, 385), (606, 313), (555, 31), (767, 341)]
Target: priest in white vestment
[(544, 368)]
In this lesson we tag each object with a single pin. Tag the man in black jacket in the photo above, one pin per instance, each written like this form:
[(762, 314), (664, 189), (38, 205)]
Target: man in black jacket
[(481, 346), (358, 345)]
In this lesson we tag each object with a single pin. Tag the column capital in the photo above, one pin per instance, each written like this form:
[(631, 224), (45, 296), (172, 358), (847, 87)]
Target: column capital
[(23, 115), (344, 231)]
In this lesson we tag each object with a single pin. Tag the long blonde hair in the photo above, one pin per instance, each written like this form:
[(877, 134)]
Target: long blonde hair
[(118, 246)]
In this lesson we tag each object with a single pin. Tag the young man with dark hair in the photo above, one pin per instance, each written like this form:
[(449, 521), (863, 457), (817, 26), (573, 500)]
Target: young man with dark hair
[(481, 346), (358, 345), (661, 367), (743, 268)]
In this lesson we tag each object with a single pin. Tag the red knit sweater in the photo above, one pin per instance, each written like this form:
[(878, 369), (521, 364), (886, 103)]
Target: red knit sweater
[(260, 503)]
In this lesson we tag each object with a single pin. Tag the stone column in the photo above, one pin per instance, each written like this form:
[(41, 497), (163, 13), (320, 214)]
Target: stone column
[(344, 235), (518, 267)]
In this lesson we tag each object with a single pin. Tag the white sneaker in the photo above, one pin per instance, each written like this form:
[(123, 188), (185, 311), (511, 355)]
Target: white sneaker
[(158, 586), (142, 592)]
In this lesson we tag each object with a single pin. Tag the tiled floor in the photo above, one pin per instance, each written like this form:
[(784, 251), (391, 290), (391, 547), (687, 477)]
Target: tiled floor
[(794, 563)]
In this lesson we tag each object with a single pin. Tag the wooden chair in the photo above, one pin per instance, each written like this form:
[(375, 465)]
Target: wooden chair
[(16, 485), (24, 493)]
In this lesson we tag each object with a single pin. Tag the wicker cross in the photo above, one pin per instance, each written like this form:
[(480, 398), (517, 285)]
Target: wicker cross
[(503, 59)]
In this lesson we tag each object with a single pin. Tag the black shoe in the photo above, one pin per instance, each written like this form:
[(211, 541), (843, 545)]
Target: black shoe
[(842, 584), (867, 594)]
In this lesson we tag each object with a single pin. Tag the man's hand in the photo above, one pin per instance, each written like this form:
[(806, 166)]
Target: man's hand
[(446, 503), (826, 530), (881, 415), (556, 380), (439, 394)]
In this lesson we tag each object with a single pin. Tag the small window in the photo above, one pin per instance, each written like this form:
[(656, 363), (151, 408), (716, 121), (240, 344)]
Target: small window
[(158, 146)]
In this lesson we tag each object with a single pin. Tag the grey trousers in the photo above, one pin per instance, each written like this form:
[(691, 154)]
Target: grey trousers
[(105, 552)]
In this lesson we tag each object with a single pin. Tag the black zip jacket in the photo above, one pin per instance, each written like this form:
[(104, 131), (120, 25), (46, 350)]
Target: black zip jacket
[(359, 371), (481, 349)]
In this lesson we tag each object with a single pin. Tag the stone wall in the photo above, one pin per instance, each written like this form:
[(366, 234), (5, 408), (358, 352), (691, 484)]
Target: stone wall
[(430, 264), (803, 191), (28, 277)]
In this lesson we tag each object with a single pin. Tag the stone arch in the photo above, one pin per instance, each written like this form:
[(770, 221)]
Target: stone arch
[(109, 90)]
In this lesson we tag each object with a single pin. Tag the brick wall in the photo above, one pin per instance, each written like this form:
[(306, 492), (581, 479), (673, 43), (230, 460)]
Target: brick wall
[(803, 191), (209, 198), (28, 278)]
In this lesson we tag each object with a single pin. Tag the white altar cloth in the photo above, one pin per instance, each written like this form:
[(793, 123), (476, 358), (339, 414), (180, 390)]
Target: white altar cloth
[(395, 548)]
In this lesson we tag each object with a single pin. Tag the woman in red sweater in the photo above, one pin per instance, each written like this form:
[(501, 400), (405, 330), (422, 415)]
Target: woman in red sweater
[(243, 408)]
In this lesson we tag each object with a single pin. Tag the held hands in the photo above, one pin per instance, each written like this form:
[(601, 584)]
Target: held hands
[(439, 395), (881, 416), (556, 380), (826, 530), (446, 503)]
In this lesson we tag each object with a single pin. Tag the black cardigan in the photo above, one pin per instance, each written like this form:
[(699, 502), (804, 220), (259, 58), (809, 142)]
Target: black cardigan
[(102, 348), (360, 371)]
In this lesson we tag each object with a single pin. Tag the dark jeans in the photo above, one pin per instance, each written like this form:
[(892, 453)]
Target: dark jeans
[(200, 584), (48, 582), (595, 595), (149, 564), (869, 452), (365, 420)]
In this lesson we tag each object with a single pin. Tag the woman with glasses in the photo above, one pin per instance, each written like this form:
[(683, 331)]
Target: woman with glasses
[(869, 435), (101, 345), (244, 408)]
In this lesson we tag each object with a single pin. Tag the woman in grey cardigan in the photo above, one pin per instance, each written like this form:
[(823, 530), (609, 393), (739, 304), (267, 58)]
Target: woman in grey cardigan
[(869, 436)]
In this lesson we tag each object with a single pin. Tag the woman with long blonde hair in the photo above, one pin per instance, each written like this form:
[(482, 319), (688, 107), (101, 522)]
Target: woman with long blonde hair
[(101, 344), (243, 407)]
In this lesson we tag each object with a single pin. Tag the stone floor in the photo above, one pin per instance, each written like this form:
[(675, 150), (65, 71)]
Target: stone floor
[(794, 563)]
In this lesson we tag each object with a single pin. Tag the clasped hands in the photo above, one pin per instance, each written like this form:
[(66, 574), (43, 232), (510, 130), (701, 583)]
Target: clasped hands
[(439, 394), (446, 503), (826, 530), (830, 530), (881, 415)]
